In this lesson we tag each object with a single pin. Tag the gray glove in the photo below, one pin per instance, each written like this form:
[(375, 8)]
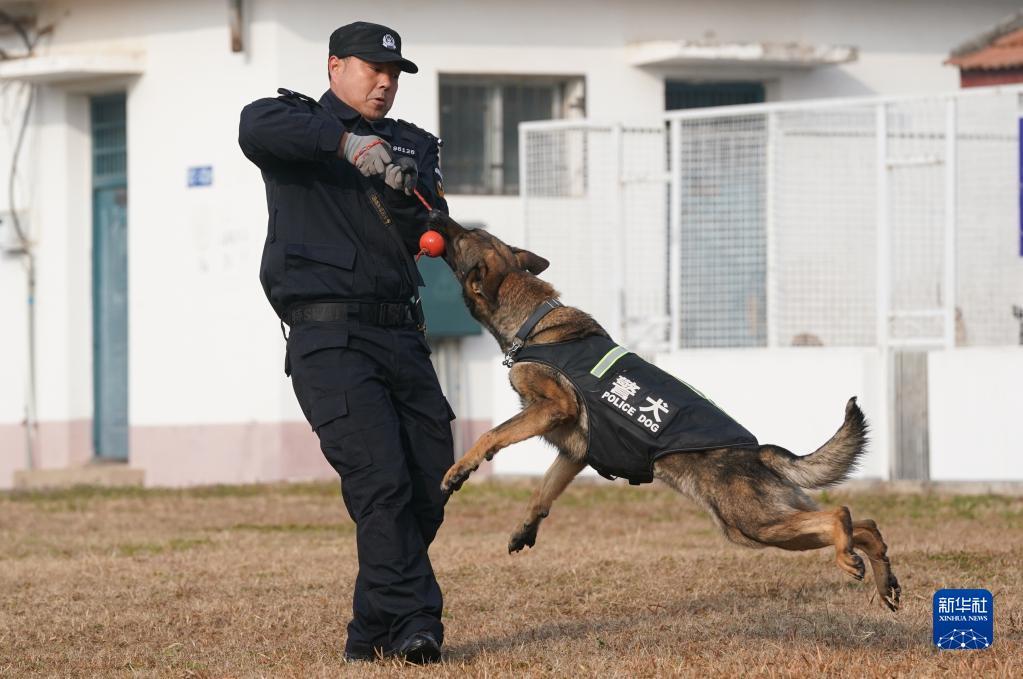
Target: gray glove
[(368, 153), (402, 175)]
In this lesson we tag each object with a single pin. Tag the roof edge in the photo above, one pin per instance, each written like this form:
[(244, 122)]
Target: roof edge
[(63, 68), (978, 42), (786, 54)]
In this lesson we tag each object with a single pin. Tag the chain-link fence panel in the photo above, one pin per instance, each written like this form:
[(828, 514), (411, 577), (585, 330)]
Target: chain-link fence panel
[(822, 227), (570, 201), (644, 238), (891, 222), (988, 232), (723, 264), (595, 205), (916, 299)]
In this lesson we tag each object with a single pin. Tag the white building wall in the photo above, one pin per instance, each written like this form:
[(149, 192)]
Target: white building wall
[(196, 305), (209, 399), (205, 349)]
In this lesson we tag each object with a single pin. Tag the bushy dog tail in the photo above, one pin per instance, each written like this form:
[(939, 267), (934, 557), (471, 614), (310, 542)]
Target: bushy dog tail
[(832, 463)]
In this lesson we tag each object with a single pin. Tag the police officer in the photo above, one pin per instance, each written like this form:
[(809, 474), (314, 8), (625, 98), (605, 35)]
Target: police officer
[(344, 223)]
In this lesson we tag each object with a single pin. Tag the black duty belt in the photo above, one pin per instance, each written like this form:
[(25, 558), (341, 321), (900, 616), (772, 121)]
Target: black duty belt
[(387, 314)]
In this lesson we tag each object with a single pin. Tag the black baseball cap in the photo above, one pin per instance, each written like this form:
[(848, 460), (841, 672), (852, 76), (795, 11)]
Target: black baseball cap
[(371, 42)]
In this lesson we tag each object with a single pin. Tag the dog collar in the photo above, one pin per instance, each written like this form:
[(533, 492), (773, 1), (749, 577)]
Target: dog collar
[(547, 306)]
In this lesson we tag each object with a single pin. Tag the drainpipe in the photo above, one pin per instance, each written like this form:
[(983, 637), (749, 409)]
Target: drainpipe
[(24, 249), (234, 11), (31, 420), (30, 38)]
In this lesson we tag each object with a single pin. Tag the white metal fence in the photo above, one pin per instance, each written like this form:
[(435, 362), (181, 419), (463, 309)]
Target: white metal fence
[(868, 222)]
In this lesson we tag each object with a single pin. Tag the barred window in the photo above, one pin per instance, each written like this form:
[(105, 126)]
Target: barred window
[(479, 118)]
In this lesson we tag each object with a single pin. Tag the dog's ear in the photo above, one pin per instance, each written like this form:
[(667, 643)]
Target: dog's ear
[(473, 277), (485, 282), (534, 264), (491, 283)]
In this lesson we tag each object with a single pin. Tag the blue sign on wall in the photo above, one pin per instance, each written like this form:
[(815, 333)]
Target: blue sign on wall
[(201, 175)]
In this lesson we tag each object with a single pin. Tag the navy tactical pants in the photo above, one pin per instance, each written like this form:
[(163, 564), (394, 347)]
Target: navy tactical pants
[(372, 396)]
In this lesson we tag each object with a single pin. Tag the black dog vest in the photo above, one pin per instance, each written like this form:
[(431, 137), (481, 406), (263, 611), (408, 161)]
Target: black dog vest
[(636, 411)]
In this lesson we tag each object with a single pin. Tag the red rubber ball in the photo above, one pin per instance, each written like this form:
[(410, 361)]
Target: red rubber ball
[(432, 243)]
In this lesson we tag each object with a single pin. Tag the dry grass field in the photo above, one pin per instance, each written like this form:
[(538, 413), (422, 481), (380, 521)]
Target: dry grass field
[(624, 582)]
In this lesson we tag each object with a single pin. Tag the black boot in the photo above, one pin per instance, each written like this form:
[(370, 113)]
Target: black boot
[(420, 648)]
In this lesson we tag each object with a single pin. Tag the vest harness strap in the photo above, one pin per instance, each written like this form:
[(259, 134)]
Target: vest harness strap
[(547, 306)]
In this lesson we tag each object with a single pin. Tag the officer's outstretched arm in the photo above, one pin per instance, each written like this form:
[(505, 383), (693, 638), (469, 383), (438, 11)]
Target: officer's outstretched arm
[(284, 129)]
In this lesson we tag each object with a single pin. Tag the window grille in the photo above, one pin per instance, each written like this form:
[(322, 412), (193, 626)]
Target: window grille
[(479, 119)]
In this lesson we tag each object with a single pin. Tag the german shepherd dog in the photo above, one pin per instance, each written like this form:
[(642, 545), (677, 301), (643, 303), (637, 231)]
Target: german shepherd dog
[(755, 495)]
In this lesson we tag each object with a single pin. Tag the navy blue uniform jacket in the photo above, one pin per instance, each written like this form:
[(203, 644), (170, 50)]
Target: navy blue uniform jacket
[(324, 239), (636, 412)]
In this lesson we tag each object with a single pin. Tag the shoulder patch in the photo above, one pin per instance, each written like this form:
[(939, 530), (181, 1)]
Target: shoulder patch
[(291, 94), (406, 125)]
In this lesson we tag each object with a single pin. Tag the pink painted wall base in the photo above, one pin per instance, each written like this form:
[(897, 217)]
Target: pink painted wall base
[(256, 452), (58, 445), (190, 455)]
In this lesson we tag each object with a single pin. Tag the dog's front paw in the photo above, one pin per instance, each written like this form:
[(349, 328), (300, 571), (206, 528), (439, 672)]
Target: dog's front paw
[(891, 594), (455, 477), (523, 537)]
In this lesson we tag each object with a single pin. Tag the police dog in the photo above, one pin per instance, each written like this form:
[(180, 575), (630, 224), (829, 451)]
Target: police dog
[(755, 495)]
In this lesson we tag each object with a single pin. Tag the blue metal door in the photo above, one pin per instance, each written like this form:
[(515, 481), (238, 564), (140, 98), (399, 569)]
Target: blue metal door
[(109, 277)]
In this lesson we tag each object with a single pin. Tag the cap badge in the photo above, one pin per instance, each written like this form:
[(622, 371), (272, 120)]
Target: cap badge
[(389, 41)]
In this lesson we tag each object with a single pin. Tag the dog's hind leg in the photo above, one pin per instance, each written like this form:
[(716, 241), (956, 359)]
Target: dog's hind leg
[(868, 539), (813, 530), (558, 476)]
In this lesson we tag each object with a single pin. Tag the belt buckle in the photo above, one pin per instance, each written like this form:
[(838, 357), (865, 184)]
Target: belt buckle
[(387, 314)]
